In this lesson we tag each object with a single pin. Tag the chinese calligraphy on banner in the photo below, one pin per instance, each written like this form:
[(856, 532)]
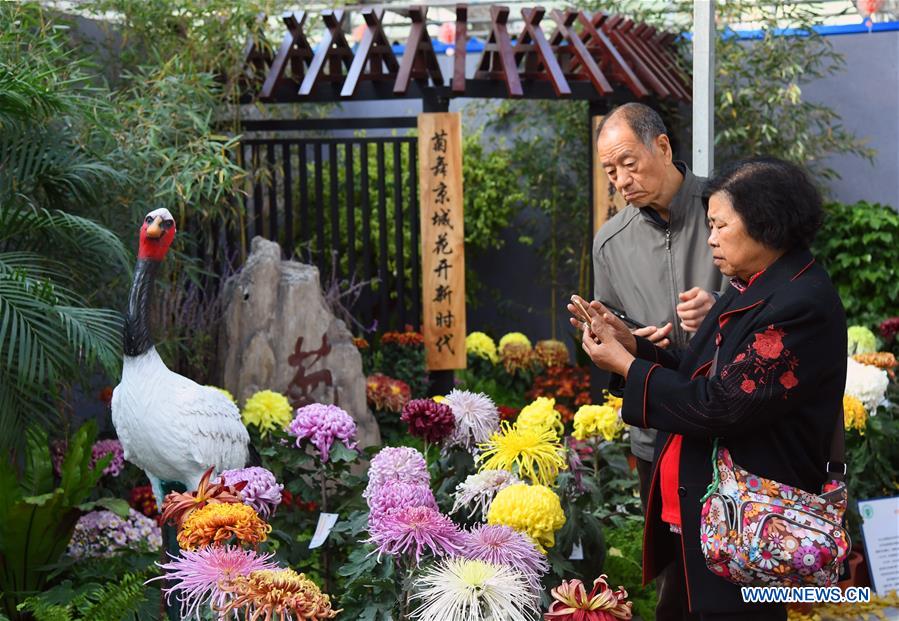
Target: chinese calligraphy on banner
[(442, 239)]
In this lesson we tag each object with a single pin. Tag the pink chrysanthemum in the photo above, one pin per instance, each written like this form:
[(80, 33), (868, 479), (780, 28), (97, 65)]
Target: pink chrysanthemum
[(102, 448), (476, 418), (397, 495), (396, 464), (262, 492), (322, 424), (428, 419), (415, 531), (502, 545), (202, 577)]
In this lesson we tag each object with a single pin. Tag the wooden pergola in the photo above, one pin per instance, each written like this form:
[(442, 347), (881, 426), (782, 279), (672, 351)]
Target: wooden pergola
[(593, 57)]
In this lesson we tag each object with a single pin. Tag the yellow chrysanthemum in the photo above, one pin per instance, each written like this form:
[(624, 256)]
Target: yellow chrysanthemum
[(855, 415), (438, 398), (531, 509), (612, 401), (597, 420), (514, 337), (481, 345), (268, 410), (541, 414), (224, 392), (531, 452), (218, 523), (278, 594)]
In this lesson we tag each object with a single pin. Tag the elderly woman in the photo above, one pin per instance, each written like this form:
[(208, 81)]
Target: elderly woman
[(764, 374)]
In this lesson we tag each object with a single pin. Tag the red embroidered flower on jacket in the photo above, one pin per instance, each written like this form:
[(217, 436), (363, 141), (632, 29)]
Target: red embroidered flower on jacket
[(747, 386), (788, 380), (769, 343)]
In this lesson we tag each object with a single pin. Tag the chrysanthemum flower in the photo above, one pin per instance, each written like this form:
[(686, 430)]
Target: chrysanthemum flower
[(280, 594), (321, 425), (178, 505), (461, 589), (854, 414), (262, 491), (531, 452), (428, 419), (218, 523), (482, 346), (102, 448), (516, 338), (597, 420), (612, 401), (503, 545), (401, 464), (202, 577), (477, 490), (866, 383), (517, 357), (387, 394), (573, 603), (268, 411), (551, 353), (396, 495), (541, 413), (476, 418), (408, 338), (415, 531), (534, 510)]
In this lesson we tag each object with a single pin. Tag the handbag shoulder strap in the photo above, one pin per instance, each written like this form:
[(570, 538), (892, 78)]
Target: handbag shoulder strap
[(836, 457)]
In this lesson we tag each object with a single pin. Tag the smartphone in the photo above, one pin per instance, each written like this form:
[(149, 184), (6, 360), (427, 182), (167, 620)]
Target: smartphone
[(620, 314)]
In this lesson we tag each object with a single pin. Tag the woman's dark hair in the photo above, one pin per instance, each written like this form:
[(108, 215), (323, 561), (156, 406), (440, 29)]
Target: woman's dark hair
[(776, 200)]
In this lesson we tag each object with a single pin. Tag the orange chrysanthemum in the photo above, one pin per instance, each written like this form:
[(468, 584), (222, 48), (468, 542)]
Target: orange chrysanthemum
[(218, 523), (270, 594), (178, 505)]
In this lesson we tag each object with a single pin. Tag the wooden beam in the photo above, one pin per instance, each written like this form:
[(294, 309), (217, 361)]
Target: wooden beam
[(459, 47), (533, 46), (644, 35), (419, 60), (374, 50), (497, 60), (295, 50), (634, 58), (597, 41), (257, 55), (580, 52), (334, 48), (626, 28)]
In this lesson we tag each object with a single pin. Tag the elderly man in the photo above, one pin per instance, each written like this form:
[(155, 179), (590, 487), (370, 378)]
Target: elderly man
[(651, 259)]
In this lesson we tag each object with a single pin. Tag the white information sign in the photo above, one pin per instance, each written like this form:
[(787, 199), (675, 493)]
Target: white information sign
[(880, 529)]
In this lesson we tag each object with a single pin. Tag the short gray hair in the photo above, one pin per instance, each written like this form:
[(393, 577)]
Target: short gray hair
[(645, 122)]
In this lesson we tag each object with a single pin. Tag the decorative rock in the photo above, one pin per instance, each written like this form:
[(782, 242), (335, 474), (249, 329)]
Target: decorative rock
[(279, 334)]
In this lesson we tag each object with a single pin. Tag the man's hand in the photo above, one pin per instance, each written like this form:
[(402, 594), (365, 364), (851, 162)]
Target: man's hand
[(694, 305), (658, 336)]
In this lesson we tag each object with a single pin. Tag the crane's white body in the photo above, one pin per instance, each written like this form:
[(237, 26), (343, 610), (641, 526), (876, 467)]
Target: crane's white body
[(173, 428)]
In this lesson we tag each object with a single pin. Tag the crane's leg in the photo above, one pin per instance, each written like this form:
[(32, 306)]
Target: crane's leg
[(156, 484)]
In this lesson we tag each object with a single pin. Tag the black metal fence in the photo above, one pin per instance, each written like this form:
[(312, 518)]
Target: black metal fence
[(347, 202)]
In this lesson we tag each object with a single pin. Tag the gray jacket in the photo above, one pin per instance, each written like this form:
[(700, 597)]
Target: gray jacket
[(641, 266)]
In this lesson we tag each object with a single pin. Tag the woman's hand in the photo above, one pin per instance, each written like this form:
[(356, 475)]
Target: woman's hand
[(602, 344), (596, 310)]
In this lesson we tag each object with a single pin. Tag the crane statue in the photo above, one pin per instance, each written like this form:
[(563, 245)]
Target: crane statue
[(171, 427)]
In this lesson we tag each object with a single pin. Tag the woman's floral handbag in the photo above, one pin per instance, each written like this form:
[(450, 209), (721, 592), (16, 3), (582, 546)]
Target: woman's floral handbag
[(758, 532)]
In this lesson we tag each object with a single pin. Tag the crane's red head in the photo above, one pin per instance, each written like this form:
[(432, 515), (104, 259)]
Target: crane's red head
[(156, 235)]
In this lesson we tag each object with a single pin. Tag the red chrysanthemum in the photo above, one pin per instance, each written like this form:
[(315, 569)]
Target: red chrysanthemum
[(428, 419)]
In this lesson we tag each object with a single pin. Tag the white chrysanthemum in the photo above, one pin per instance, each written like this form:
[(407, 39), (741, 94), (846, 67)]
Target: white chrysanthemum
[(478, 490), (476, 418), (465, 590), (866, 383)]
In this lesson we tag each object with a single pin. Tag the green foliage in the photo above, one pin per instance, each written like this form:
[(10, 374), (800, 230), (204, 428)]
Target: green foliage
[(859, 247), (117, 600), (624, 565), (38, 514)]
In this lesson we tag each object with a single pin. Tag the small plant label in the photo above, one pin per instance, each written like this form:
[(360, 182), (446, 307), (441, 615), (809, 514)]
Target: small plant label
[(326, 522)]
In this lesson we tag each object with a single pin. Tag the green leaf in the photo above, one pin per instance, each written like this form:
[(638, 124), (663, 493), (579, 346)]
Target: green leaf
[(119, 506)]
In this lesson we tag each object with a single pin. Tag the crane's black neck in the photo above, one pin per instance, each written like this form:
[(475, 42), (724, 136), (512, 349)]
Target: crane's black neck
[(137, 320)]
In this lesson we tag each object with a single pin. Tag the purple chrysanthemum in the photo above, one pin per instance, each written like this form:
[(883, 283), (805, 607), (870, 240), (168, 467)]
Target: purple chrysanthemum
[(102, 448), (398, 464), (428, 419), (201, 577), (476, 418), (262, 492), (503, 545), (322, 424), (102, 534), (397, 495), (415, 531)]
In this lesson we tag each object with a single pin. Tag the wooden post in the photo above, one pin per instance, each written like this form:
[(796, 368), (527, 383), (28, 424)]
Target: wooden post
[(442, 239), (606, 200)]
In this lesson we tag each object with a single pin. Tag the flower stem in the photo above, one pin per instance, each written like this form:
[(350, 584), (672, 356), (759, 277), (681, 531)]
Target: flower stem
[(326, 560)]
